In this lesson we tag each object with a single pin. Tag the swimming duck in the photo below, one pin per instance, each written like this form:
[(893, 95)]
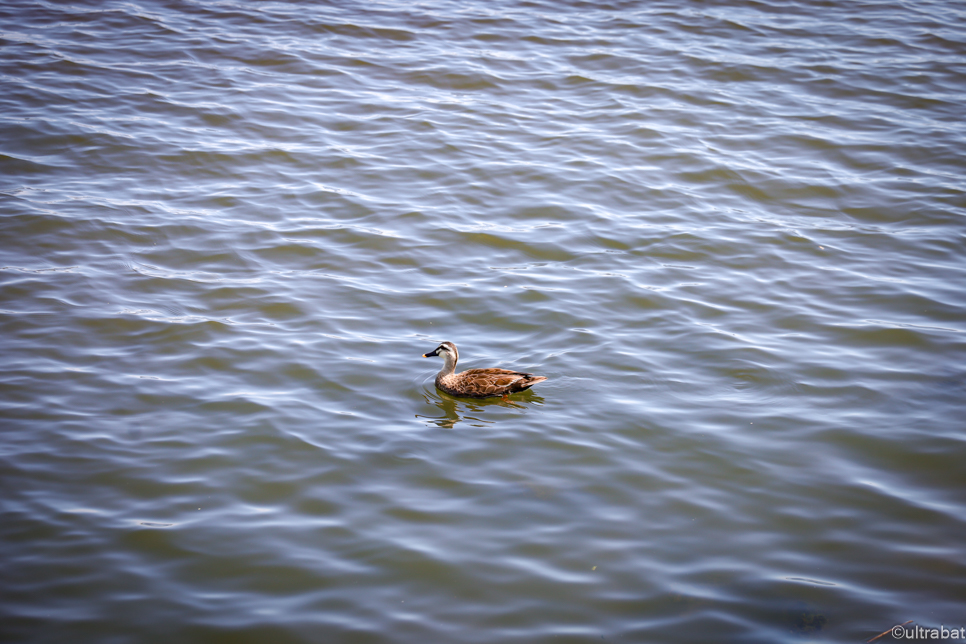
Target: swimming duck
[(478, 383)]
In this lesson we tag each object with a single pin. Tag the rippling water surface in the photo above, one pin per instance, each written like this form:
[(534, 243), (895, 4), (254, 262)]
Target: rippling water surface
[(731, 235)]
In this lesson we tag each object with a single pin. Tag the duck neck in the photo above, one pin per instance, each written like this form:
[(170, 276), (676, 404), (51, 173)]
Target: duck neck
[(449, 365)]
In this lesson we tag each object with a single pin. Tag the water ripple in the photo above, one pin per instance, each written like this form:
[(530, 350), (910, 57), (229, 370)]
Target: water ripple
[(731, 237)]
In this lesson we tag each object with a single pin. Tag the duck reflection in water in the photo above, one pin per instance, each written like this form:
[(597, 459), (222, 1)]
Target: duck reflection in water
[(471, 410)]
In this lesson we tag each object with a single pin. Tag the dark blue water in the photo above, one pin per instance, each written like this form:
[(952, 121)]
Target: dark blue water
[(731, 236)]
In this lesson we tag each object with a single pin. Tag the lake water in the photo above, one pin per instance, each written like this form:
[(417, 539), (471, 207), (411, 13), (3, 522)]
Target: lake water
[(732, 235)]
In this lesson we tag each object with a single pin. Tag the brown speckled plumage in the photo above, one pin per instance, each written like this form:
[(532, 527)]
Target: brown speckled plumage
[(478, 383)]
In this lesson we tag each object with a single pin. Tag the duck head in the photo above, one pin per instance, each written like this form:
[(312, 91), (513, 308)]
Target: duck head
[(448, 352)]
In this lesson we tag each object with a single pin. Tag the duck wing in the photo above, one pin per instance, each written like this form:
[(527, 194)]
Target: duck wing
[(495, 382)]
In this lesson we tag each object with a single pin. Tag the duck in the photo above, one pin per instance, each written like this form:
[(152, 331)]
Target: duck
[(478, 383)]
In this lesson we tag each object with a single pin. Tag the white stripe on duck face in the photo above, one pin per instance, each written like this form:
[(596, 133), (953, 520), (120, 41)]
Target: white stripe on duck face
[(452, 347)]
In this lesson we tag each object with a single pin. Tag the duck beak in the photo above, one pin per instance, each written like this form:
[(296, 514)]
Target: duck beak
[(430, 355)]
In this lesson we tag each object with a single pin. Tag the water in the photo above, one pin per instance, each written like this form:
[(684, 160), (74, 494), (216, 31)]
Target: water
[(731, 236)]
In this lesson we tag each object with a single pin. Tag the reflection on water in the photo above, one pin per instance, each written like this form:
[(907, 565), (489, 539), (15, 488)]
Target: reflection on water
[(471, 410)]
